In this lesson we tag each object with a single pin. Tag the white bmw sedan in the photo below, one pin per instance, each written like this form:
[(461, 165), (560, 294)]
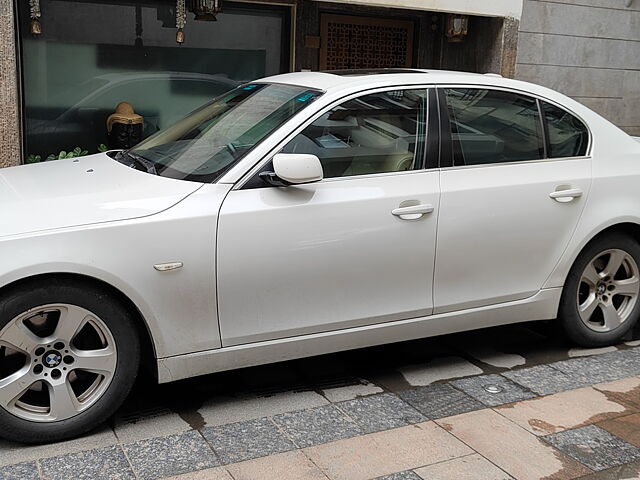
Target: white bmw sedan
[(309, 213)]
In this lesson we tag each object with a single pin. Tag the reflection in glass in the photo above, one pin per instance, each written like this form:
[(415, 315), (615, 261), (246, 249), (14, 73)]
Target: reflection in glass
[(491, 126), (382, 132), (207, 142), (567, 136)]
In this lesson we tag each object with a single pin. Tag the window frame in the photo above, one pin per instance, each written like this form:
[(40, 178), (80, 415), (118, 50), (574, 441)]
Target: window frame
[(447, 160), (430, 148)]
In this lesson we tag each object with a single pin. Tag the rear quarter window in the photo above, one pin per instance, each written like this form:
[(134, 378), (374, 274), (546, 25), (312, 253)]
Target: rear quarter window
[(567, 136)]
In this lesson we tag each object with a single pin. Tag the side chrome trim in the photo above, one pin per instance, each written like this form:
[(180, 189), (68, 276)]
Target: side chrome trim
[(523, 162), (541, 306)]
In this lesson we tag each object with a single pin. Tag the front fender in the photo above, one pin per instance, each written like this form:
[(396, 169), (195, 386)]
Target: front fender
[(178, 306)]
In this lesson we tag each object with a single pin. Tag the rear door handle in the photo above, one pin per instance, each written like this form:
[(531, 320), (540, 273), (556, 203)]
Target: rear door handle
[(412, 212), (564, 196)]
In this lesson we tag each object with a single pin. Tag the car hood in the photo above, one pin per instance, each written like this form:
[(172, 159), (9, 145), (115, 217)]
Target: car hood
[(81, 191)]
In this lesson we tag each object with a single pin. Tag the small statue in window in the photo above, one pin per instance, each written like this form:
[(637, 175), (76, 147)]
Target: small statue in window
[(124, 127)]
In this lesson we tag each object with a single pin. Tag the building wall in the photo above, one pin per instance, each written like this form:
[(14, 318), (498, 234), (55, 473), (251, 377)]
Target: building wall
[(587, 49), (9, 105)]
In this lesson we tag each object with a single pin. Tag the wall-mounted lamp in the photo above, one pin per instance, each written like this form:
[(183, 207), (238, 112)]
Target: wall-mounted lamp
[(457, 27)]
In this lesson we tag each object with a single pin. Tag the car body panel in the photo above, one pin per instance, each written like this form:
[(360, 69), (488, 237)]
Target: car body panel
[(542, 305), (324, 256), (499, 232), (82, 191), (179, 306)]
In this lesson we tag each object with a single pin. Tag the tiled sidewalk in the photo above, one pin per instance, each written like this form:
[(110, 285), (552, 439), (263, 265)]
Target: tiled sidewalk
[(567, 419)]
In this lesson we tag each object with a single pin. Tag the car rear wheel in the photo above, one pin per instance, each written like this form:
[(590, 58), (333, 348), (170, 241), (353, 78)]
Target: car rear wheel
[(69, 355), (601, 298)]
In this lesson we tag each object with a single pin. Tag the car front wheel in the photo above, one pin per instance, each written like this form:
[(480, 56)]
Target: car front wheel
[(601, 298), (69, 355)]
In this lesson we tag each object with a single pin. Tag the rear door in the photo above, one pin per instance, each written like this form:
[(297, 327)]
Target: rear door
[(511, 197), (354, 249)]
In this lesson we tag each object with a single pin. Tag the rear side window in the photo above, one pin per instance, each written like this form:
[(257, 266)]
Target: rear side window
[(566, 135), (492, 126)]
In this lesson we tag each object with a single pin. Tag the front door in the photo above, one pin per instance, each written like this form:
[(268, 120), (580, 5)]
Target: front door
[(339, 253), (511, 202)]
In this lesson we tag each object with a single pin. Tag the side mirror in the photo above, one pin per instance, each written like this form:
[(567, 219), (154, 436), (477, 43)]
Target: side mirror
[(293, 169)]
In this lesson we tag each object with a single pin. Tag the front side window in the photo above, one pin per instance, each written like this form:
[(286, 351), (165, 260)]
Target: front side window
[(566, 135), (492, 126), (376, 133), (203, 145)]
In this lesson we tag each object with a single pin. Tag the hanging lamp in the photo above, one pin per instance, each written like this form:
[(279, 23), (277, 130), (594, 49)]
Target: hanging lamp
[(35, 14), (181, 20)]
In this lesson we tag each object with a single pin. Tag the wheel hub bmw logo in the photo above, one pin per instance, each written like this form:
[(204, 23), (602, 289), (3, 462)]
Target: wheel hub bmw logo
[(52, 359)]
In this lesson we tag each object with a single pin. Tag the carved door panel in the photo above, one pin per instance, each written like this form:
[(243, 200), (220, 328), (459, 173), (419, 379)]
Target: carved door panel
[(349, 42)]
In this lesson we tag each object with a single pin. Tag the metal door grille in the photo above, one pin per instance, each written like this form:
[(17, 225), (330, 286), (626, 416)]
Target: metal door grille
[(350, 42)]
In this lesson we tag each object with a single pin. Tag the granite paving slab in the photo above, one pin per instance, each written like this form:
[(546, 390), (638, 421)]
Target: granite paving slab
[(100, 464), (493, 390), (241, 441), (440, 400), (381, 412), (172, 455), (596, 369), (317, 425), (594, 447), (21, 471), (401, 476), (546, 380)]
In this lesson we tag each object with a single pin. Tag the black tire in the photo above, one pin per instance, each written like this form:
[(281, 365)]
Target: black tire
[(568, 313), (120, 323)]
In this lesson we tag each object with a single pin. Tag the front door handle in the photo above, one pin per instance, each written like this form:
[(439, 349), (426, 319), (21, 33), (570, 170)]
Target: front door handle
[(412, 212), (566, 195)]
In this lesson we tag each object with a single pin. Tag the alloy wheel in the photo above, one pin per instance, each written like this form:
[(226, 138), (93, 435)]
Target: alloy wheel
[(56, 361), (608, 290)]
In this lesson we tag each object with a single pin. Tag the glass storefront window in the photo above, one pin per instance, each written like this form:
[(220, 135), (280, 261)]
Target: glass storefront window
[(93, 55)]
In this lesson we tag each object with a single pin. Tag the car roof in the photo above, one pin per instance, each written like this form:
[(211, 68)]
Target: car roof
[(326, 80), (366, 79)]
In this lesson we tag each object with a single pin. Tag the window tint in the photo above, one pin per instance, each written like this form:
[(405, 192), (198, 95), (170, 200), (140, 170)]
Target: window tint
[(381, 132), (490, 126), (566, 135)]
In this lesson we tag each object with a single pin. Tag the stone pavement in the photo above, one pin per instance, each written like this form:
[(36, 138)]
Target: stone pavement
[(504, 403)]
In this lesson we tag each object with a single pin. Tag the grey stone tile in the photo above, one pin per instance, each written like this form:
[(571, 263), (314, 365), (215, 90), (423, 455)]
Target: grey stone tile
[(103, 464), (165, 456), (509, 391), (440, 400), (240, 441), (381, 412), (594, 447), (545, 380), (401, 476), (224, 410), (14, 453), (21, 471), (317, 425), (601, 368)]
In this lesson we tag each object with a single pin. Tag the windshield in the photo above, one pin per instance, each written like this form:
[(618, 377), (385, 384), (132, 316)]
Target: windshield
[(206, 143)]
